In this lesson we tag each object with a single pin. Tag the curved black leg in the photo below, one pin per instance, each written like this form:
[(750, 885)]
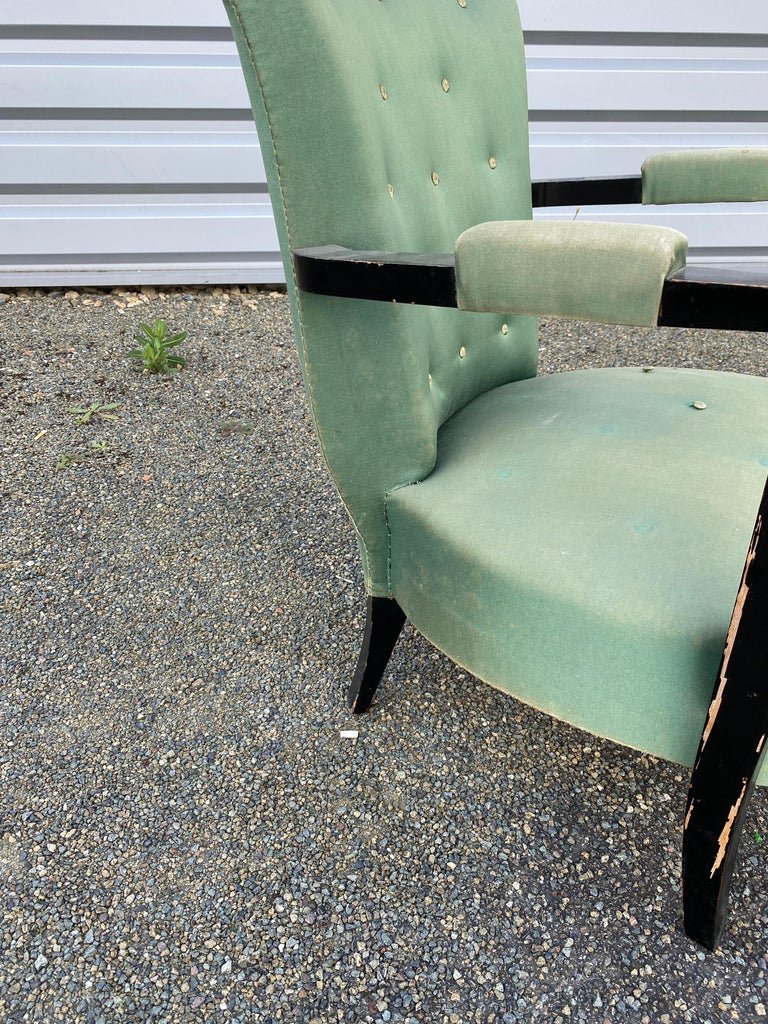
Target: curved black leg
[(384, 621), (731, 751)]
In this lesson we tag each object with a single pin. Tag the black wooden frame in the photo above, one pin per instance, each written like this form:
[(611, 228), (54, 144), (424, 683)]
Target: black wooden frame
[(731, 752), (587, 191), (384, 620), (698, 296)]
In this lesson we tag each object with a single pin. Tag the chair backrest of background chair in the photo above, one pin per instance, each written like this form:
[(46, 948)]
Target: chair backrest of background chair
[(390, 125)]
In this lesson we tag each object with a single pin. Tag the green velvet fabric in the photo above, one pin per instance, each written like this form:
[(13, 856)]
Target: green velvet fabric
[(706, 176), (391, 126), (581, 541), (611, 273)]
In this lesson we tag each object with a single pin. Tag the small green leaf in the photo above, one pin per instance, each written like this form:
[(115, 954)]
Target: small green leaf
[(68, 459), (84, 415)]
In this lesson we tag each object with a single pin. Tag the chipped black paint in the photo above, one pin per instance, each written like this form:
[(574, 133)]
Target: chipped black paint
[(731, 751)]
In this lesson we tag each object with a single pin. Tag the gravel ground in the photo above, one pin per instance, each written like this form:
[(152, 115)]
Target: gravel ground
[(184, 835)]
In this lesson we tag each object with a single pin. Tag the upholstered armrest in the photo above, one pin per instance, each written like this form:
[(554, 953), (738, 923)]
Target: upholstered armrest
[(610, 273), (706, 176)]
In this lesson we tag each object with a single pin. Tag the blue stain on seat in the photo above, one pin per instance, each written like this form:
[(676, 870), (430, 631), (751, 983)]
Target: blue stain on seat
[(644, 526)]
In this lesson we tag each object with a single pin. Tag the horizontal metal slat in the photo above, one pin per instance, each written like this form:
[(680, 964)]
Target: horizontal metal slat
[(653, 16), (168, 227), (607, 48), (123, 158), (129, 81), (258, 269), (216, 83), (582, 154), (570, 85), (181, 227), (147, 124), (690, 127), (196, 13), (86, 200), (684, 16), (730, 227), (99, 42)]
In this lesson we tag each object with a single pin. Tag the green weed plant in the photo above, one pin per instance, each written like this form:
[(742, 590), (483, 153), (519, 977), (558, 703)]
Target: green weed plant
[(84, 413), (156, 348), (68, 459)]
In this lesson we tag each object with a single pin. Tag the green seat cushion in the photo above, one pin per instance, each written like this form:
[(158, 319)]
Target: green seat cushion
[(706, 176), (581, 540), (611, 273)]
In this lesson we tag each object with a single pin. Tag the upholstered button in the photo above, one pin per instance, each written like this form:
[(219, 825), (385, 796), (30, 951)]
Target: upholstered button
[(505, 328), (492, 163), (383, 91), (391, 189), (462, 352), (446, 85), (435, 178)]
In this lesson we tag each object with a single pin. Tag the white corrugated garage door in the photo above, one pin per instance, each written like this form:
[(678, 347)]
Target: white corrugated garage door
[(128, 152)]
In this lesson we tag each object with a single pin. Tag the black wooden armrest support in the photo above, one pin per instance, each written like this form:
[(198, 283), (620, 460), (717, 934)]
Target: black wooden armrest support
[(698, 296), (715, 298), (422, 280), (588, 191)]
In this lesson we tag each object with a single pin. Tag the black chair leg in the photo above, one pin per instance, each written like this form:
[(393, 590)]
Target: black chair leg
[(732, 748), (385, 619)]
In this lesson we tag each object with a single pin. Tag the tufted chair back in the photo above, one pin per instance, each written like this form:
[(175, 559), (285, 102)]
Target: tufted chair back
[(390, 125)]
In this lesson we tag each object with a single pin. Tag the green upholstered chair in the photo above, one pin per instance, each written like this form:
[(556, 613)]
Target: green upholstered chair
[(576, 540)]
